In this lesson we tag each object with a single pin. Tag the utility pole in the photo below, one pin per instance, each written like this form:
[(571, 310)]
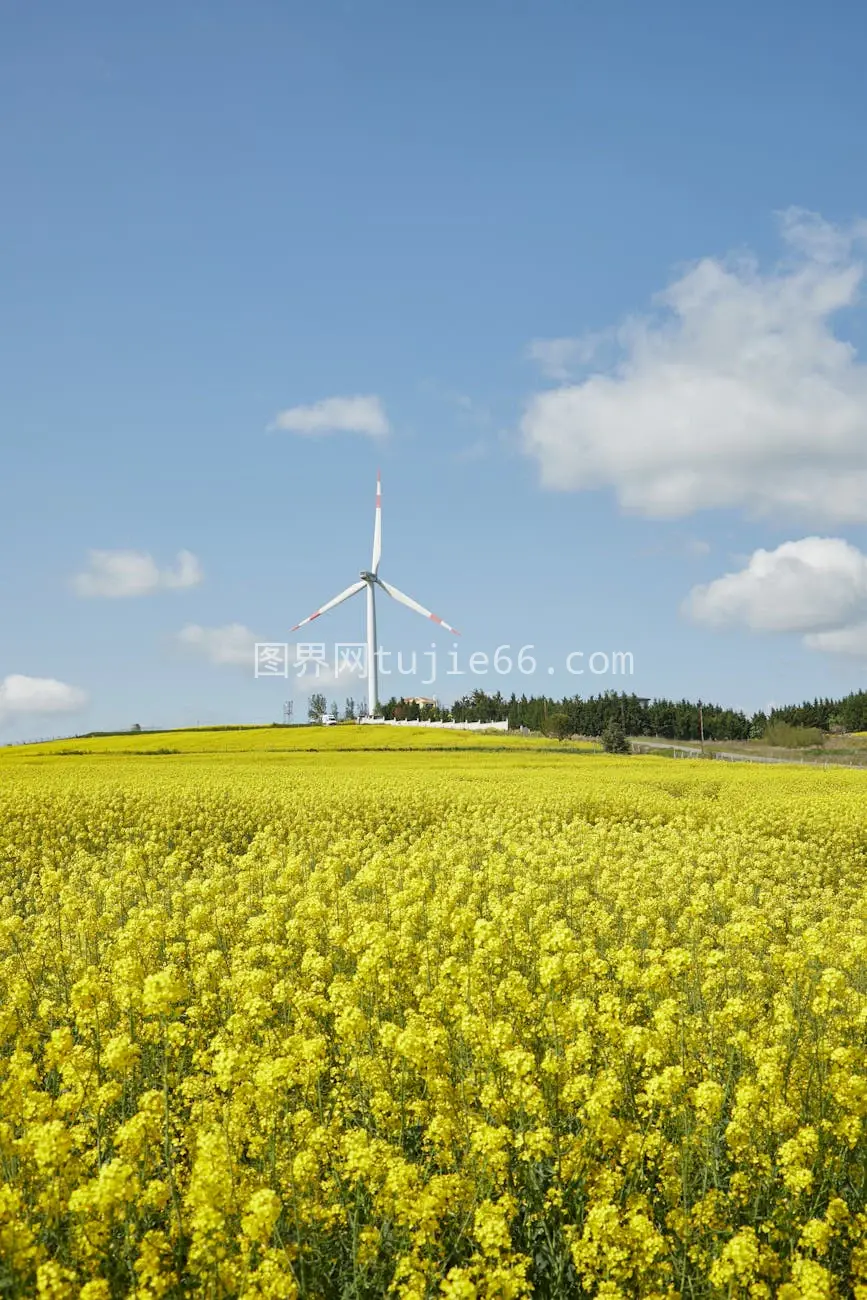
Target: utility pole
[(701, 726), (287, 713)]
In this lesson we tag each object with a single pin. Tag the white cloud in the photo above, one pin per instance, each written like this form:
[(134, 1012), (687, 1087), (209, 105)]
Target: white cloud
[(231, 644), (187, 573), (335, 415), (20, 695), (816, 586), (840, 641), (738, 394), (234, 644), (134, 573), (561, 358)]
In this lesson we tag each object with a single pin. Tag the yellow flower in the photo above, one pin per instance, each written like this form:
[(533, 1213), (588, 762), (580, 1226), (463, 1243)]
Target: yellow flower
[(96, 1289), (738, 1260), (491, 1227), (263, 1211), (310, 1022), (54, 1282), (162, 992)]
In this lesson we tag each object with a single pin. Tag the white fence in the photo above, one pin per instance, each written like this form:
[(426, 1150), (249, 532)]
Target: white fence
[(445, 726)]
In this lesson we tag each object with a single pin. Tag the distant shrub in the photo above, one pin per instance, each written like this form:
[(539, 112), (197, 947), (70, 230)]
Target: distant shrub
[(558, 726), (785, 736), (614, 739)]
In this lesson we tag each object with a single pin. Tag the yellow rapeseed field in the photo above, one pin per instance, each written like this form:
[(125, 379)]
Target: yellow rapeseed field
[(470, 1024)]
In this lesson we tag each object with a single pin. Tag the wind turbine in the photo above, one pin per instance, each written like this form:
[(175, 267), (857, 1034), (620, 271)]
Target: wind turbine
[(370, 579)]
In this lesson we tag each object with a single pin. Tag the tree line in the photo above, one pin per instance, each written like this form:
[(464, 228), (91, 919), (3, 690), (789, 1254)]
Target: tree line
[(635, 715)]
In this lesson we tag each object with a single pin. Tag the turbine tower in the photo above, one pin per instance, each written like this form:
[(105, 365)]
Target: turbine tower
[(370, 579)]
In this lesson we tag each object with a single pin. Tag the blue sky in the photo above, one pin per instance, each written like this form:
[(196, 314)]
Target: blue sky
[(596, 267)]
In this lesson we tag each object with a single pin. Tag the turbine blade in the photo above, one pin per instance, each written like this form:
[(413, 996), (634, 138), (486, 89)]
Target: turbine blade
[(377, 528), (413, 604), (344, 595)]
